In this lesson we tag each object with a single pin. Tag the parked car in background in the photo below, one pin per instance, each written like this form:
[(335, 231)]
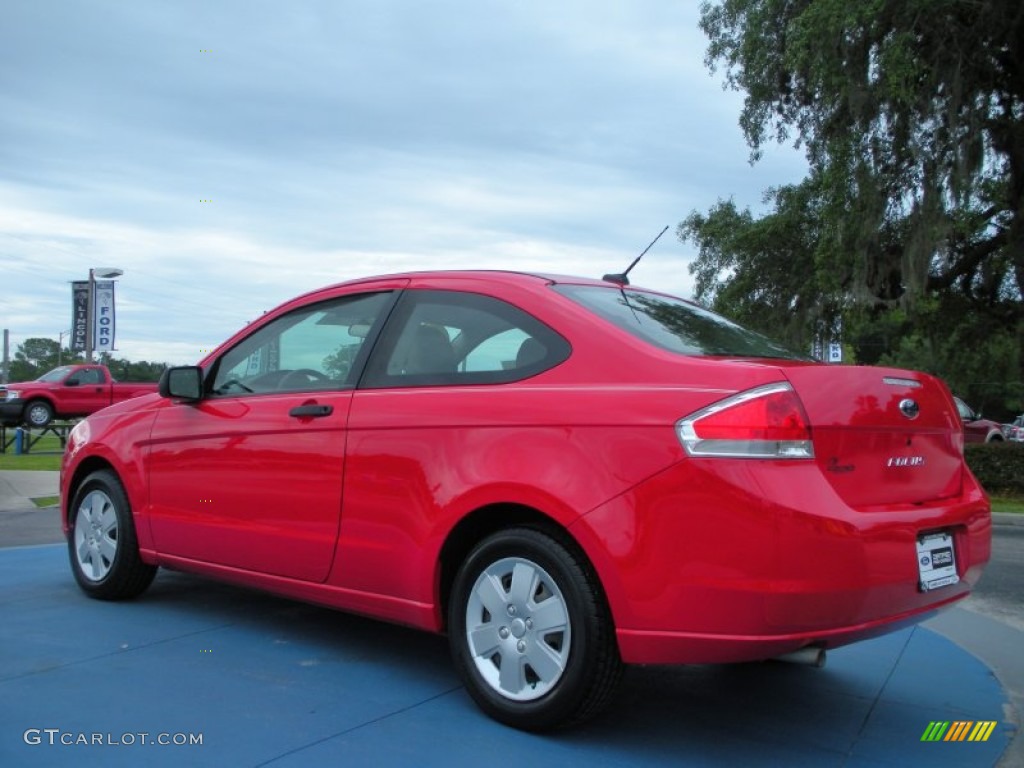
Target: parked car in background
[(1014, 431), (561, 474), (977, 429), (66, 392)]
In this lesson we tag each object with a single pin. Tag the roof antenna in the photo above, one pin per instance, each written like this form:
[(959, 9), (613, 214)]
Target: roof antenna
[(622, 278)]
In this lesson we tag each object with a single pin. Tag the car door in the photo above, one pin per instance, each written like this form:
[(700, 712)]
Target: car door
[(250, 476), (84, 391), (425, 421), (975, 431)]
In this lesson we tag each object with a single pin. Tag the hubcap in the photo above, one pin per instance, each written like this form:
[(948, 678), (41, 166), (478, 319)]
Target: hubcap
[(38, 415), (517, 627), (95, 535)]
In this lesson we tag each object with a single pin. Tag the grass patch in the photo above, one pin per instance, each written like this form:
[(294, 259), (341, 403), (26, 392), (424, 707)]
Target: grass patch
[(30, 461), (48, 443), (46, 501), (45, 454), (1012, 504)]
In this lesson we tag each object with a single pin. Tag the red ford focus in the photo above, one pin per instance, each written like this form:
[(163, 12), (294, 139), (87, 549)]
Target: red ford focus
[(564, 475)]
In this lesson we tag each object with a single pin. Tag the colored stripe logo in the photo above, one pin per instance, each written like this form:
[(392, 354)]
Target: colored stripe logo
[(958, 730)]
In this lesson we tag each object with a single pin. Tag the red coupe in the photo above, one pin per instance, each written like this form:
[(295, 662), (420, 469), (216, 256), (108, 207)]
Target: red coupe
[(564, 475)]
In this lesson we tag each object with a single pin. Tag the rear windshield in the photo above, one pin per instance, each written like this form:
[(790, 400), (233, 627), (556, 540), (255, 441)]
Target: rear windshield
[(674, 324)]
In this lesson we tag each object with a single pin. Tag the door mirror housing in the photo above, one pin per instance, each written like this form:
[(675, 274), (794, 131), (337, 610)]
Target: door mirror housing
[(183, 382)]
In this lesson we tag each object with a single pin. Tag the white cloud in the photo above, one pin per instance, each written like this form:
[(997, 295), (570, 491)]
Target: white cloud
[(341, 139)]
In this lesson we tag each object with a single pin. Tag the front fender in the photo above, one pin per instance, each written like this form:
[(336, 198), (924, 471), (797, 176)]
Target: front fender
[(118, 442)]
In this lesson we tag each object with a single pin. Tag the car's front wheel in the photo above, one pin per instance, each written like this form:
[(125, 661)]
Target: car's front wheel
[(531, 633), (38, 413), (102, 544)]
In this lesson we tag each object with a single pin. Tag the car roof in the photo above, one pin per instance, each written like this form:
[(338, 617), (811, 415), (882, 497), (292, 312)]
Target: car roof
[(491, 275), (508, 277)]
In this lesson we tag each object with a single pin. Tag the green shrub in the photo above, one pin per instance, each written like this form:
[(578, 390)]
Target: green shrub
[(999, 467)]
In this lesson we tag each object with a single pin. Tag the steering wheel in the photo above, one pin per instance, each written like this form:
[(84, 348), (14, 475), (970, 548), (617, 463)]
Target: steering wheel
[(290, 379)]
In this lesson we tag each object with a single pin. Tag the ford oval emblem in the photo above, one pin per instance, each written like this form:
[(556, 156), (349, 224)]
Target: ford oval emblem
[(909, 408)]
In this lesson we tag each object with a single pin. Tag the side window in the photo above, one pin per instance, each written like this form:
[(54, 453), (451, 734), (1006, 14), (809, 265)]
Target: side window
[(500, 352), (310, 349), (965, 412), (86, 376), (450, 337)]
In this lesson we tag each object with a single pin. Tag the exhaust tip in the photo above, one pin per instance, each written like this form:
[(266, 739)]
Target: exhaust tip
[(811, 656)]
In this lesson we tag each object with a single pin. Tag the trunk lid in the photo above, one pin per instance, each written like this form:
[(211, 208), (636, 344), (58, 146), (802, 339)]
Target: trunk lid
[(882, 435)]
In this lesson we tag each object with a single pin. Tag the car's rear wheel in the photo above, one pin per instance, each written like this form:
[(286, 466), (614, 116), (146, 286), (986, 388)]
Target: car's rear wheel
[(102, 543), (531, 633)]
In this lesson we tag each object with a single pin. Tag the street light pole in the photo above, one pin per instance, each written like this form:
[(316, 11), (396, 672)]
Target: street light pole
[(90, 299)]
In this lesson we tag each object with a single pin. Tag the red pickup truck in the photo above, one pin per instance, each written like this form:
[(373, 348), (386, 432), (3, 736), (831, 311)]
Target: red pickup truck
[(65, 392)]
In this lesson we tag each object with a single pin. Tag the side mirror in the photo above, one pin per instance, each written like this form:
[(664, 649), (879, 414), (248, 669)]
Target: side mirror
[(72, 382), (184, 382)]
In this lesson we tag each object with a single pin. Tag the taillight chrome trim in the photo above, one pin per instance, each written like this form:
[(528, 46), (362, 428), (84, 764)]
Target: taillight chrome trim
[(741, 449)]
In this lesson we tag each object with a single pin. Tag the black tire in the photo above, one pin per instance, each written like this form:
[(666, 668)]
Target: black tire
[(102, 544), (566, 664), (38, 413)]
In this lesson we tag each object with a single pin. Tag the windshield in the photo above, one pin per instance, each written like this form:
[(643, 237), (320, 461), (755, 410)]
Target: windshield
[(55, 375), (674, 324)]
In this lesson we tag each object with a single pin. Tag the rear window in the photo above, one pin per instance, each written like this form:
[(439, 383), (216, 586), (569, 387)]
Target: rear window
[(674, 324)]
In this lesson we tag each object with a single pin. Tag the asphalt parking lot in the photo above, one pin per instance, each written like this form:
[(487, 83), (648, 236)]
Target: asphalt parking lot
[(265, 681)]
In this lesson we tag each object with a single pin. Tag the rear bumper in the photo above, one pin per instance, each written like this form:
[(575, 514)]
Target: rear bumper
[(731, 560), (649, 647)]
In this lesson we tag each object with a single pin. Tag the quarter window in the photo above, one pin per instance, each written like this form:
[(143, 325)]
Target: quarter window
[(449, 337)]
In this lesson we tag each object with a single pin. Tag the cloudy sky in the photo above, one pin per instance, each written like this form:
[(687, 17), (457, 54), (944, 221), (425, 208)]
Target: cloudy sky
[(230, 154)]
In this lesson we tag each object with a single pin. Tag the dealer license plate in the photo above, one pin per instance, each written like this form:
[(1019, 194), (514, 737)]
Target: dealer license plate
[(936, 561)]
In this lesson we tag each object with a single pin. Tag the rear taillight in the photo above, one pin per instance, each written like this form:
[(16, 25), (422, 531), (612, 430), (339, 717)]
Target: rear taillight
[(763, 423)]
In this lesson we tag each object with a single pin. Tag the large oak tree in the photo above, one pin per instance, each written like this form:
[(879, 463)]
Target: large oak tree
[(910, 223)]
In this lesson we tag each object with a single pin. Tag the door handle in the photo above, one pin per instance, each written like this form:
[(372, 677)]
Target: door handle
[(311, 411)]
